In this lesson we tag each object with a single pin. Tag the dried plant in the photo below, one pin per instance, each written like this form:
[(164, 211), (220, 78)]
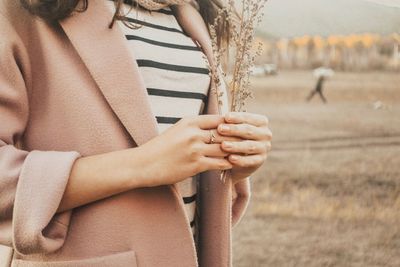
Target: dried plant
[(241, 43)]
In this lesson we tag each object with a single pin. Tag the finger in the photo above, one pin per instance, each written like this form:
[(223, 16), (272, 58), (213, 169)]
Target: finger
[(214, 150), (246, 117), (208, 121), (245, 131), (247, 161), (206, 137), (210, 163), (246, 147)]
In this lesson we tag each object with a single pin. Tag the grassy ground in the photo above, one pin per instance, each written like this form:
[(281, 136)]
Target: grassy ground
[(329, 194)]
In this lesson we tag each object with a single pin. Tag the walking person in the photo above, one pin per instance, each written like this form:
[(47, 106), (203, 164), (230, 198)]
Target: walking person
[(322, 74), (318, 90), (111, 144)]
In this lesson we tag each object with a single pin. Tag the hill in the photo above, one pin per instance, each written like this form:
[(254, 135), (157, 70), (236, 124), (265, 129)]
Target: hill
[(289, 18)]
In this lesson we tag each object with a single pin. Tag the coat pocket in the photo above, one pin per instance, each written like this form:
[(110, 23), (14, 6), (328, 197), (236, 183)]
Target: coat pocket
[(120, 259)]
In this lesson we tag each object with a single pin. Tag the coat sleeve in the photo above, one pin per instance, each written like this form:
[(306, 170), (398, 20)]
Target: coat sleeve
[(32, 183)]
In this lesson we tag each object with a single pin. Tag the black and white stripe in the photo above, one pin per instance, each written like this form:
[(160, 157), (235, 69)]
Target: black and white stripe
[(176, 75), (155, 42), (171, 67), (178, 94)]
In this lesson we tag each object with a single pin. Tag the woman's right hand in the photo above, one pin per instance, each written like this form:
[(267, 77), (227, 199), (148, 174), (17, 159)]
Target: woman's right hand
[(176, 154), (181, 151)]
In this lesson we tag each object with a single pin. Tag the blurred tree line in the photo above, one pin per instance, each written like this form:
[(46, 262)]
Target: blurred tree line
[(358, 52)]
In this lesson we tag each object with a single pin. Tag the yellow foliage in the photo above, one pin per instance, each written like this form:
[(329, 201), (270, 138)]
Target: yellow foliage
[(302, 41), (319, 42)]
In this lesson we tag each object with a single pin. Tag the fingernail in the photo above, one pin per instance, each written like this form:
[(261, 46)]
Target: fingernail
[(224, 127), (230, 116), (234, 157), (228, 144)]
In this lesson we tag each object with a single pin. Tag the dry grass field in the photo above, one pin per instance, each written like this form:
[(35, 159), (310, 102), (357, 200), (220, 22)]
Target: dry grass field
[(329, 194)]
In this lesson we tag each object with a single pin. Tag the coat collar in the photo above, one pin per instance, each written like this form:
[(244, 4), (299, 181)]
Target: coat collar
[(104, 52)]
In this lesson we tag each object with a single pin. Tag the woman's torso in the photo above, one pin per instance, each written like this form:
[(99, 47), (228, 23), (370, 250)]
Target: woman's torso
[(175, 73)]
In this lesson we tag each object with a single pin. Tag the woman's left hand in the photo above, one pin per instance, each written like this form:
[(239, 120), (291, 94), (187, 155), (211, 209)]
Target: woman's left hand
[(251, 152)]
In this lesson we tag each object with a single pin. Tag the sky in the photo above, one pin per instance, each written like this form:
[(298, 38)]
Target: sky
[(392, 3), (289, 18)]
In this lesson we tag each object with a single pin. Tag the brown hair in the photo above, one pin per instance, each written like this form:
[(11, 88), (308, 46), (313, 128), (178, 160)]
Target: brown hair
[(52, 10)]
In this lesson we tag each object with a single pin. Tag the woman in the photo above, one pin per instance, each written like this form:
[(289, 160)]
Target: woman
[(96, 165)]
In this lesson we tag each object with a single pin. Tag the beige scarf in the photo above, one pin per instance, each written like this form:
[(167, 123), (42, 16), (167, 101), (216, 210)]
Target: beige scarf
[(159, 4)]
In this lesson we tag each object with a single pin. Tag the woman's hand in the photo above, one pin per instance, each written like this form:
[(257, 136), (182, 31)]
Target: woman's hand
[(181, 151), (250, 152)]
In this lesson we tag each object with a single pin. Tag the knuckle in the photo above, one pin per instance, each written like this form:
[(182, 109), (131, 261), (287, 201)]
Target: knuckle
[(195, 151), (192, 139), (249, 130), (194, 136), (252, 148)]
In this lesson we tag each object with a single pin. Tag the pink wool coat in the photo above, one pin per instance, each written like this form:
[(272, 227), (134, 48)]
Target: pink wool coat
[(69, 90)]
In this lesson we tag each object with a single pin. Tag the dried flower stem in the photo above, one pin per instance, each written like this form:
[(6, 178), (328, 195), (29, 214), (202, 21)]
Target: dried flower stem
[(242, 36)]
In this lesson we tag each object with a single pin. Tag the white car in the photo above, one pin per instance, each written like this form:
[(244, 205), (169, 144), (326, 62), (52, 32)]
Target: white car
[(264, 70), (270, 69), (257, 71)]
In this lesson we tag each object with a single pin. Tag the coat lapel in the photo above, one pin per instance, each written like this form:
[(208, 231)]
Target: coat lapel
[(106, 55)]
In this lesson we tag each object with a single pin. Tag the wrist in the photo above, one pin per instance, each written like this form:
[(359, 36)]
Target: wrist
[(138, 169)]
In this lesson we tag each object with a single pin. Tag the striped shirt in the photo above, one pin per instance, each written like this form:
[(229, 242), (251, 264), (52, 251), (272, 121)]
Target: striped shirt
[(176, 76)]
